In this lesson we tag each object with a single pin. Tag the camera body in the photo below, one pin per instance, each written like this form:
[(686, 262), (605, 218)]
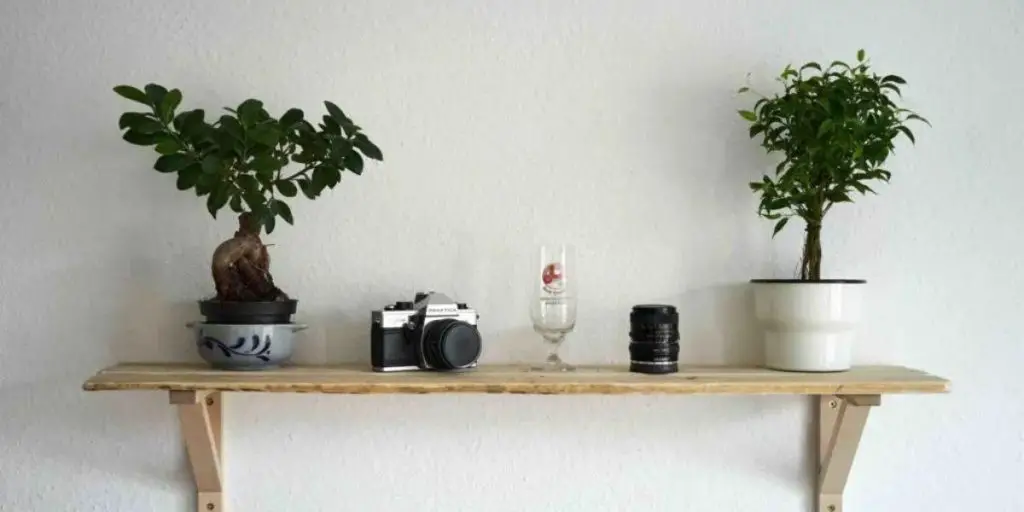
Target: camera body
[(432, 332)]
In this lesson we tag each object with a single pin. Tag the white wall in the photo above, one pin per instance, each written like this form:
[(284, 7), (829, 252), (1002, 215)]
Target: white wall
[(608, 123)]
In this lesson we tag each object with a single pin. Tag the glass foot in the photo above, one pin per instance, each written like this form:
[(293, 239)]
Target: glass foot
[(553, 364)]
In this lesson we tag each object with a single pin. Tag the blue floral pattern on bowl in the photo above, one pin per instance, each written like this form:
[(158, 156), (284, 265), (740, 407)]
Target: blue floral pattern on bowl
[(240, 347), (245, 347)]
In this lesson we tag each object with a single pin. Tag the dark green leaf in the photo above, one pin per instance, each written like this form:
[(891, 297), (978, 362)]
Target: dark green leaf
[(257, 204), (860, 55), (919, 118), (779, 225), (269, 222), (337, 114), (265, 163), (286, 188), (224, 143), (265, 179), (173, 163), (354, 162), (212, 164), (248, 184), (862, 188), (249, 111), (291, 117), (265, 134), (191, 123), (170, 102), (826, 126), (893, 79), (218, 198), (141, 124), (140, 139), (236, 203), (307, 188), (321, 179), (334, 174), (231, 126), (330, 126), (168, 146), (748, 115), (368, 148), (892, 87), (155, 93), (133, 119), (778, 203), (906, 131), (129, 92), (755, 129), (283, 211), (838, 196), (302, 158), (188, 177), (742, 90), (811, 65), (206, 183)]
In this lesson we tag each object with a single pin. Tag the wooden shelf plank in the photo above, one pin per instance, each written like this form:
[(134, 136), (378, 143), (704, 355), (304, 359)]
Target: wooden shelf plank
[(358, 379)]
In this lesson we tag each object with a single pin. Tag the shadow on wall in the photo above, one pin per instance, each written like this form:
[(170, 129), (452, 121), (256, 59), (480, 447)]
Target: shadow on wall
[(716, 326), (714, 433)]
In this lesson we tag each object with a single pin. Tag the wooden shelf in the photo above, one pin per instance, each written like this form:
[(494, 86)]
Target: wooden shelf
[(358, 379), (843, 400)]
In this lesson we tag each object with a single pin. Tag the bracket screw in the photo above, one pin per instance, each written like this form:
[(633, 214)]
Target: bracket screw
[(211, 506), (209, 401), (832, 404), (831, 508)]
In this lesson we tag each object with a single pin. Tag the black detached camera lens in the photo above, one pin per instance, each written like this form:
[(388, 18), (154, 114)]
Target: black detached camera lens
[(654, 339), (451, 344)]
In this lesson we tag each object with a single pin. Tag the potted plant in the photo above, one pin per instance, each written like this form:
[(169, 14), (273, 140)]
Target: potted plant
[(238, 161), (833, 127)]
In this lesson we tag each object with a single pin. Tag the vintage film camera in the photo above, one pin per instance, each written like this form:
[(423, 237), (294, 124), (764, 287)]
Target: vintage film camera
[(432, 332)]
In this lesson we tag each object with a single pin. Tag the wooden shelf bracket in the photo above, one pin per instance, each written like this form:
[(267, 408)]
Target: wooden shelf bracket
[(200, 415), (841, 420)]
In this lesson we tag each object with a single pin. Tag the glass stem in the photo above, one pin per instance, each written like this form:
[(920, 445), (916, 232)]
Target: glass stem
[(555, 341)]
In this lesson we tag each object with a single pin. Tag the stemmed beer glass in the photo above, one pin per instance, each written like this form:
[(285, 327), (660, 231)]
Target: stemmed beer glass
[(553, 300)]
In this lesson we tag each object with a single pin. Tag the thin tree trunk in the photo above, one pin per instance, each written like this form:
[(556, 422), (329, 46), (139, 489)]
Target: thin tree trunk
[(810, 266)]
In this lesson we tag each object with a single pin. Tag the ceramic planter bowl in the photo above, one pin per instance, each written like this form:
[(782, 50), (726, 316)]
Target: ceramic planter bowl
[(245, 347), (809, 326)]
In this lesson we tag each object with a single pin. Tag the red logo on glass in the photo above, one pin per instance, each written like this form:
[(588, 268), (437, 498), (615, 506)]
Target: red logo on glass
[(553, 279)]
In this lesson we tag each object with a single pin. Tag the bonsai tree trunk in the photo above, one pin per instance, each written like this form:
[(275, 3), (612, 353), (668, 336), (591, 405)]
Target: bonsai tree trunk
[(241, 266), (810, 263)]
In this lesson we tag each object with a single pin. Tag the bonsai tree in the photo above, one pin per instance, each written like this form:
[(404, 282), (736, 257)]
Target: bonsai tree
[(238, 161), (834, 128)]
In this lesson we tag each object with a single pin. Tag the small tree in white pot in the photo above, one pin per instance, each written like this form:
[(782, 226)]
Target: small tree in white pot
[(834, 128)]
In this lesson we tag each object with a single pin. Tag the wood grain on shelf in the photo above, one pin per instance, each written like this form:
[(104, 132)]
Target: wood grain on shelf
[(358, 379)]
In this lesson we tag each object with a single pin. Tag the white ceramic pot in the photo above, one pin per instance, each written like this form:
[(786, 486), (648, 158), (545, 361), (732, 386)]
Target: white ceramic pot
[(808, 326)]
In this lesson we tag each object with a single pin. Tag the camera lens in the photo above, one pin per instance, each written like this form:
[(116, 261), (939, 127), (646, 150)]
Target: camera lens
[(654, 335), (451, 344)]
